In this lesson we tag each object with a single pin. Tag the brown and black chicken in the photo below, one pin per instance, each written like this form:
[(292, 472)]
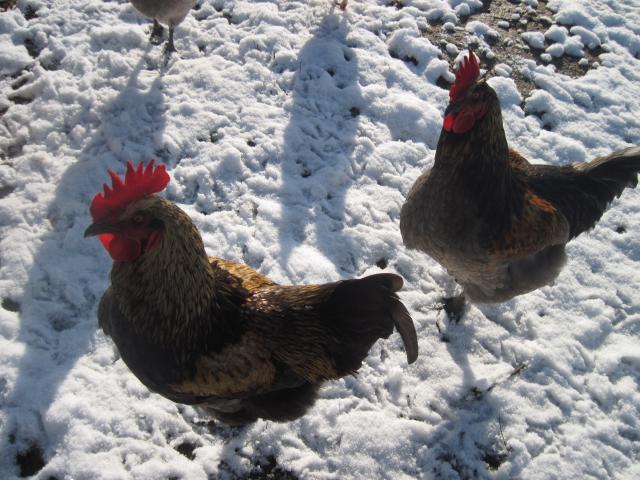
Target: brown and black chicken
[(496, 222), (207, 331)]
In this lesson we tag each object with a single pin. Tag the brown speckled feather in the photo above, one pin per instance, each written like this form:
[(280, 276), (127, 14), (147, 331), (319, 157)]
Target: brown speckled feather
[(238, 275), (283, 332), (208, 331), (237, 371), (517, 161), (496, 222), (539, 225)]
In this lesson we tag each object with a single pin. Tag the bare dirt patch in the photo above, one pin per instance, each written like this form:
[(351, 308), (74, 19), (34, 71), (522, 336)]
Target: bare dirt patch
[(509, 19)]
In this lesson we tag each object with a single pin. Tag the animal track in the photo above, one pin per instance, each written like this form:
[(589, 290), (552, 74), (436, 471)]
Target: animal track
[(30, 461), (10, 305), (6, 190), (186, 449)]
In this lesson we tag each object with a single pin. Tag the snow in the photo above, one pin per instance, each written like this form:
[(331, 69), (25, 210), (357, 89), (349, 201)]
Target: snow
[(555, 50), (482, 30), (292, 132), (503, 70), (449, 26), (534, 39), (452, 49), (587, 37)]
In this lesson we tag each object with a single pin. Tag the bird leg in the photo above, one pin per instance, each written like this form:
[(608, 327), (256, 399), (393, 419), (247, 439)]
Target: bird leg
[(454, 307), (156, 33), (169, 47)]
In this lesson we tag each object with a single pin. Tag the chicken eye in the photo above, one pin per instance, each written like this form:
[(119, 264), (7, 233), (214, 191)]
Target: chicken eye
[(138, 219)]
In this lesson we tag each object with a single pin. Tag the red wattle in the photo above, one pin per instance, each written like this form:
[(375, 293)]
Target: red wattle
[(121, 249), (448, 122), (464, 122), (105, 239)]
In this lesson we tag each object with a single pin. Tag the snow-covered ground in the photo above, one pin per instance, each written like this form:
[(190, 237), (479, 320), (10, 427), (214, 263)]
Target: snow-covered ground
[(292, 131)]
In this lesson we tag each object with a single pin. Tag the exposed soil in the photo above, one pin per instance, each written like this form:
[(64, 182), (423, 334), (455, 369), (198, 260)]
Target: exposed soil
[(7, 4), (30, 461), (270, 470), (509, 47)]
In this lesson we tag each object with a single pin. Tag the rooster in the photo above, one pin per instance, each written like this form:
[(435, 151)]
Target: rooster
[(211, 332), (168, 12), (496, 222)]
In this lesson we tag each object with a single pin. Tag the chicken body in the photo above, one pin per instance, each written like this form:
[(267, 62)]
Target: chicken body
[(218, 334), (167, 12), (497, 223)]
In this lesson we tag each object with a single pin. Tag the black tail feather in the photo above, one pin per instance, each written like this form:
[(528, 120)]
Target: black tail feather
[(582, 192), (363, 311)]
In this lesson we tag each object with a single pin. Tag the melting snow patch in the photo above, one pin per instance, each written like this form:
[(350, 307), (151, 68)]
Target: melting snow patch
[(534, 39)]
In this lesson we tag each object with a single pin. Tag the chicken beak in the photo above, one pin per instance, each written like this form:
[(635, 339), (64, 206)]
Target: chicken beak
[(98, 228)]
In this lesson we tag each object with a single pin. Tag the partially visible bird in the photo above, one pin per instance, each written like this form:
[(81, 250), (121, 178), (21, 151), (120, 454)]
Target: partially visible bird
[(167, 12), (496, 222), (207, 331), (172, 13)]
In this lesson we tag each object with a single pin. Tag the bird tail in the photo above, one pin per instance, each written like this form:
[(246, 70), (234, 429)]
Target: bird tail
[(363, 311), (604, 179), (583, 191), (618, 169)]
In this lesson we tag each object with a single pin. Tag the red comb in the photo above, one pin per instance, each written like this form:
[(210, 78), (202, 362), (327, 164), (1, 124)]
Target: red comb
[(138, 183), (467, 75)]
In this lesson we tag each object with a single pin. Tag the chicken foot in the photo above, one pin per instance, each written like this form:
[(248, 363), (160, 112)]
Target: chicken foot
[(454, 307), (156, 33)]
